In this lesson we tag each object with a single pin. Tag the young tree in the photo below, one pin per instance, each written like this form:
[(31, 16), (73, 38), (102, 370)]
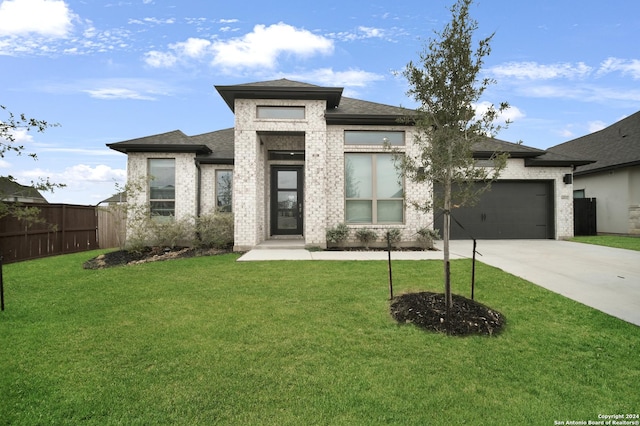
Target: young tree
[(8, 128), (447, 85)]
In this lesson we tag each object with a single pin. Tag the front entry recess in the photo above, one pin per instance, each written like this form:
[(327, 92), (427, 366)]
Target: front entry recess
[(286, 200)]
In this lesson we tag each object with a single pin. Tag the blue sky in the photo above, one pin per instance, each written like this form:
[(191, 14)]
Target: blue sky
[(109, 71)]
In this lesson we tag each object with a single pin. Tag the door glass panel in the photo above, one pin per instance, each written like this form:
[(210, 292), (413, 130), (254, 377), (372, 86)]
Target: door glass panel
[(287, 209), (287, 179)]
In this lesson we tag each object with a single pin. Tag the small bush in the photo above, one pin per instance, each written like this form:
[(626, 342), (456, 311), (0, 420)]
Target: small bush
[(160, 232), (338, 234), (393, 236), (366, 236), (426, 236), (215, 230)]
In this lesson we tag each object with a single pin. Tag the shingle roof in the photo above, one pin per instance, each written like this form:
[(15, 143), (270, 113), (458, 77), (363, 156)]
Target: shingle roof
[(212, 147), (615, 146), (9, 188)]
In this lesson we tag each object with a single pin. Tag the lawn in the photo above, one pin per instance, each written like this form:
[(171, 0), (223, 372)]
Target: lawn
[(213, 341), (617, 241)]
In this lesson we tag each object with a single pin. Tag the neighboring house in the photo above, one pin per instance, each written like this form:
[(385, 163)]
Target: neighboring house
[(613, 179), (13, 191), (114, 200), (302, 158)]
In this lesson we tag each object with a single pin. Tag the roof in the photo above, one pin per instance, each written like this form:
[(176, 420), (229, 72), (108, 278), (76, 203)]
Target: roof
[(340, 109), (10, 188), (218, 147), (613, 147), (213, 147)]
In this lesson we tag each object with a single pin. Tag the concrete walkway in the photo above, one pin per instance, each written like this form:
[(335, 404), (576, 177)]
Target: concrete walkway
[(604, 278)]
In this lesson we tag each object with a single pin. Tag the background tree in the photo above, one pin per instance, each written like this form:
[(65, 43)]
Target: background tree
[(447, 85), (9, 126)]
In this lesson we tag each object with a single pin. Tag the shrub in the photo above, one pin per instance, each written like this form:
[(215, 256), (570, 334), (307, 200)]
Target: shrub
[(393, 236), (338, 234), (215, 230), (366, 236), (160, 232), (426, 237)]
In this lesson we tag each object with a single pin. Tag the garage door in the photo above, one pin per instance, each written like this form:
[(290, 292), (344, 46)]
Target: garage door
[(510, 210)]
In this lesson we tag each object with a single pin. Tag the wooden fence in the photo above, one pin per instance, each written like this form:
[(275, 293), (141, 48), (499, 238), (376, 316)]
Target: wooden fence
[(111, 226), (63, 229)]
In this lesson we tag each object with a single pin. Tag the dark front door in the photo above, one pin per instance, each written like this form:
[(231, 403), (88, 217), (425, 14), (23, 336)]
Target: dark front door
[(286, 200)]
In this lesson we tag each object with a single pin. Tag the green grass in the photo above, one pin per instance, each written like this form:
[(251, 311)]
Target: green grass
[(213, 341), (628, 243)]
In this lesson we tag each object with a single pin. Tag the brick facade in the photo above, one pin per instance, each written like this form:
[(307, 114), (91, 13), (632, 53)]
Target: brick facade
[(323, 174)]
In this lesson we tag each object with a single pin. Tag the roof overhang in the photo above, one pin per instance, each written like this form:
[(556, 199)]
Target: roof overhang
[(198, 149), (331, 95)]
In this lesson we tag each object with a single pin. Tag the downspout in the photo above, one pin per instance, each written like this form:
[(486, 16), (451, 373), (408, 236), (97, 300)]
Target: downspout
[(198, 189)]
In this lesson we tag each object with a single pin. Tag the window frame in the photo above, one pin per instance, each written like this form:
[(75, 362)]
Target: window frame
[(374, 199), (153, 210), (279, 112), (219, 207), (377, 137)]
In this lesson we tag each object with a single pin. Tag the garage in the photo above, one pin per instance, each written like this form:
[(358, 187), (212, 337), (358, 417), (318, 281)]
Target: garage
[(509, 210)]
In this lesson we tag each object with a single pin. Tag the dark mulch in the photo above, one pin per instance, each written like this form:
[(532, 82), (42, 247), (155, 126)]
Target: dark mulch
[(147, 254), (427, 310)]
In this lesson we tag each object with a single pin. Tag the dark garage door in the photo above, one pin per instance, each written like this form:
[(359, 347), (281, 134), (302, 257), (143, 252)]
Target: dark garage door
[(510, 210)]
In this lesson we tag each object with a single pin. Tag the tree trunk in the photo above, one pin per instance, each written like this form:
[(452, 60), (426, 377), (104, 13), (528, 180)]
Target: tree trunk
[(446, 237)]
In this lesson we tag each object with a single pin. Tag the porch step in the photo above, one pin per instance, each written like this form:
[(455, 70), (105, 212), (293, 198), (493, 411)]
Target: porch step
[(281, 244)]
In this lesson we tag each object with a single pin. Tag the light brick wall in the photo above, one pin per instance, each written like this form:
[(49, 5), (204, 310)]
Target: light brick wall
[(185, 181), (414, 219), (208, 202)]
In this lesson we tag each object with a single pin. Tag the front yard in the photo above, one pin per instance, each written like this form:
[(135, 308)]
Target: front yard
[(212, 341)]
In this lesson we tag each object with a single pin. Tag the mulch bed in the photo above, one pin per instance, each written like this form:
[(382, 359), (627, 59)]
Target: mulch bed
[(428, 311), (147, 254)]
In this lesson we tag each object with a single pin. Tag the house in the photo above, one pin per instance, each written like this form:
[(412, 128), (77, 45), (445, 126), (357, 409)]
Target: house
[(13, 191), (613, 179), (302, 158)]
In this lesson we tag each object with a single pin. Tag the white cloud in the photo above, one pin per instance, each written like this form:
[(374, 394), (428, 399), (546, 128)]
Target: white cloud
[(21, 136), (595, 126), (370, 32), (535, 71), (160, 59), (625, 66), (263, 46), (260, 48), (51, 18), (193, 47), (4, 164), (511, 114), (329, 77), (228, 21), (100, 173), (118, 93)]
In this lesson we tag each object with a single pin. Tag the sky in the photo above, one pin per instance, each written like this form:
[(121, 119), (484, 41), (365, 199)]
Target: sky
[(110, 71)]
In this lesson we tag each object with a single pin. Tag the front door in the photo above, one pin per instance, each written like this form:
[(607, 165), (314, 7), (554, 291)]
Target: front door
[(286, 200)]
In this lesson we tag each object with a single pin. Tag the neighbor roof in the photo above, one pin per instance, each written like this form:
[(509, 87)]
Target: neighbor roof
[(10, 188), (613, 147)]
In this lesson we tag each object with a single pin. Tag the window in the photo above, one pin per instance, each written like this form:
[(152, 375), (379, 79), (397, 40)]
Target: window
[(373, 189), (578, 193), (224, 190), (162, 187), (368, 137), (281, 112)]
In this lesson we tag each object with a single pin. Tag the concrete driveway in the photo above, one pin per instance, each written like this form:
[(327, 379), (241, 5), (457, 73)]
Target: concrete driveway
[(604, 278)]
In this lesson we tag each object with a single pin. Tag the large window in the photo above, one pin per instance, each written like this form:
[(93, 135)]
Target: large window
[(162, 187), (224, 190), (373, 189), (280, 112), (370, 137)]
